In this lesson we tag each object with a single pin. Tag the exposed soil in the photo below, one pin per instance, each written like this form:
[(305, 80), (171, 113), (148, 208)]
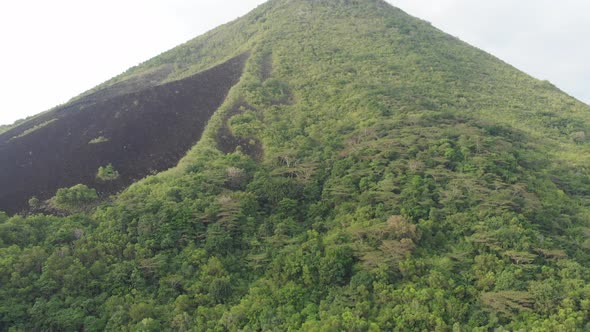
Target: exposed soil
[(266, 69), (138, 133)]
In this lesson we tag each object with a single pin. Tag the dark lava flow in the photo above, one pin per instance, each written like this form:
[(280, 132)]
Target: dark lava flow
[(139, 133)]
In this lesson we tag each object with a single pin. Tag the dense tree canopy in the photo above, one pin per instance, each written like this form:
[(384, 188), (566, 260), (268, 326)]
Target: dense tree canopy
[(384, 176)]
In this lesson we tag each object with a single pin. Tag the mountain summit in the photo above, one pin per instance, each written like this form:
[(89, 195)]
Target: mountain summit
[(314, 165)]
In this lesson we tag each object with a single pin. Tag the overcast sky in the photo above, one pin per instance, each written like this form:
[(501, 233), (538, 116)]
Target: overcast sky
[(54, 50)]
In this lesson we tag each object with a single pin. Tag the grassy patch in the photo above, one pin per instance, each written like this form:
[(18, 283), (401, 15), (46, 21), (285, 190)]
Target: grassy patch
[(32, 129), (98, 140)]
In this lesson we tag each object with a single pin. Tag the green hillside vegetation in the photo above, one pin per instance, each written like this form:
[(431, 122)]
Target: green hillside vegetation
[(386, 177)]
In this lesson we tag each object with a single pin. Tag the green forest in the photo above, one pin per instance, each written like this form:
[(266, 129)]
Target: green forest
[(387, 177)]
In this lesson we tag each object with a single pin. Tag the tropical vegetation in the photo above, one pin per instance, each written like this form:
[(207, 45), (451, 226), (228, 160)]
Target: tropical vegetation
[(388, 177)]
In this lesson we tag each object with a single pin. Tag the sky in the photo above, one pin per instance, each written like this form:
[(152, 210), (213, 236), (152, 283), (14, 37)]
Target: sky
[(54, 50)]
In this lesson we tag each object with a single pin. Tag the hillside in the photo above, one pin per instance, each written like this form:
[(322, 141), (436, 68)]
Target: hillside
[(363, 171), (139, 133)]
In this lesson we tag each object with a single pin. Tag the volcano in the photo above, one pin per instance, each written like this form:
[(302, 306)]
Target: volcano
[(316, 165)]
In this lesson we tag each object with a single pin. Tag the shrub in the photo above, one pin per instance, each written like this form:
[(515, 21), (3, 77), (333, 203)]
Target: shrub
[(107, 173), (98, 140), (34, 203), (75, 197)]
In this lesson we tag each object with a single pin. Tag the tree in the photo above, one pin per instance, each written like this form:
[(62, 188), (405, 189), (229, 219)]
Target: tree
[(34, 203), (107, 173), (75, 197)]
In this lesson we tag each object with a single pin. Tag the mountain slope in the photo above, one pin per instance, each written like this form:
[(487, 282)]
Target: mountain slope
[(139, 133), (367, 172)]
